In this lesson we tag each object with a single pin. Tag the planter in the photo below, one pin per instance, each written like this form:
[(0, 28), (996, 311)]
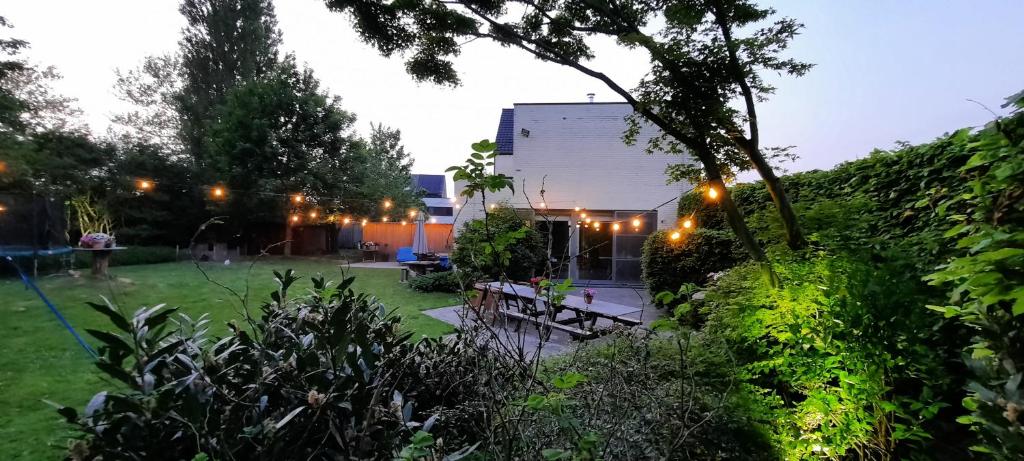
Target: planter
[(588, 298)]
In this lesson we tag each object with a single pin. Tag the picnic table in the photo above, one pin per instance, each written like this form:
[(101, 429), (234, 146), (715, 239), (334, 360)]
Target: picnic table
[(523, 303)]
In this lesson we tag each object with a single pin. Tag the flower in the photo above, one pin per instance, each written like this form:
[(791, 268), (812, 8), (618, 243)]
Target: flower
[(537, 280), (589, 292)]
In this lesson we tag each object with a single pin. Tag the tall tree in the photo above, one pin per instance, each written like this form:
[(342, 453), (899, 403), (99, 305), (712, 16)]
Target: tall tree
[(282, 134), (153, 91), (224, 43), (11, 107), (700, 65), (384, 172)]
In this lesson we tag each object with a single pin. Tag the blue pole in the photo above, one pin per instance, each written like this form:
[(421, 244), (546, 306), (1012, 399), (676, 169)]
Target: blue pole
[(29, 284)]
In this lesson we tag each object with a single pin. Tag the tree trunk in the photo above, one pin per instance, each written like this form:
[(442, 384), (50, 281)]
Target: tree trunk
[(287, 238), (794, 235)]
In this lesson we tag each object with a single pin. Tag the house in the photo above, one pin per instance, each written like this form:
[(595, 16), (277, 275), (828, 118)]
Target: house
[(601, 197), (438, 205)]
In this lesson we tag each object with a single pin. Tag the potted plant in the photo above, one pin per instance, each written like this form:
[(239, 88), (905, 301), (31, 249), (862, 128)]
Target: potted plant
[(96, 240), (588, 295)]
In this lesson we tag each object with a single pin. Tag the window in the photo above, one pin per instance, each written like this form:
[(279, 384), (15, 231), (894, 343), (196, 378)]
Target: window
[(440, 211)]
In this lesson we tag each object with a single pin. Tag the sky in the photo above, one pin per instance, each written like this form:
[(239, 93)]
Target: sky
[(884, 71)]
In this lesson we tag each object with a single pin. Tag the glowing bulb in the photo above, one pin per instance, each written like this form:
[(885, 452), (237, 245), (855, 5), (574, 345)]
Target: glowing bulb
[(387, 204), (587, 220), (583, 215), (433, 220), (346, 221), (712, 193), (636, 222), (493, 205), (295, 218), (364, 221), (3, 208), (453, 199), (688, 223), (403, 222), (312, 214), (576, 209), (385, 219), (412, 213), (615, 226), (3, 167), (457, 206), (297, 198), (543, 205), (597, 225), (143, 185), (217, 192), (675, 235)]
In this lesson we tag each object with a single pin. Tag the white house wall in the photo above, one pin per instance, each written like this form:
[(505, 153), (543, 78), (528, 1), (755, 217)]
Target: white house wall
[(578, 152)]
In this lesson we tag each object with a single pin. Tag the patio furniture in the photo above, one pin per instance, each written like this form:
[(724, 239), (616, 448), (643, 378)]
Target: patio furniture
[(525, 305), (100, 259), (370, 252), (422, 267), (405, 254)]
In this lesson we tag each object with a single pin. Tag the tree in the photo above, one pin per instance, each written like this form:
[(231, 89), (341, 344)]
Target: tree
[(43, 108), (698, 65), (279, 135), (385, 172), (10, 106), (153, 89), (224, 43)]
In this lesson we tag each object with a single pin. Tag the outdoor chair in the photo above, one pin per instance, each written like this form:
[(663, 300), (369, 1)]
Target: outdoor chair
[(405, 254)]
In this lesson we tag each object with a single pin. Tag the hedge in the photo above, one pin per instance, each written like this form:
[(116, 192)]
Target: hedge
[(667, 264)]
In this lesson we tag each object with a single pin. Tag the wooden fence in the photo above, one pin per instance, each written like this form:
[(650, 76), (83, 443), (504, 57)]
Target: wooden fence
[(392, 236)]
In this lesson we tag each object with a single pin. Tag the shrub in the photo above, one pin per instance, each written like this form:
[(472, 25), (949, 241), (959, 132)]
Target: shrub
[(134, 255), (842, 359), (668, 264), (447, 282), (522, 251), (313, 377)]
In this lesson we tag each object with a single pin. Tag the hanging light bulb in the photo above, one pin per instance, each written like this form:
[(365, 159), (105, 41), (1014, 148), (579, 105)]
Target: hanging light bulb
[(688, 223), (597, 225), (457, 206), (345, 221), (712, 193), (636, 222), (412, 213), (493, 205), (543, 205), (587, 220), (298, 198), (583, 215), (576, 209), (313, 214), (365, 221), (387, 204), (615, 226), (385, 219), (433, 220), (143, 185), (218, 192), (295, 218), (675, 235), (403, 222), (2, 208)]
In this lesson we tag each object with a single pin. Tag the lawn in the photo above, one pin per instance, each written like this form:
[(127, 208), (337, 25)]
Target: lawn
[(40, 360)]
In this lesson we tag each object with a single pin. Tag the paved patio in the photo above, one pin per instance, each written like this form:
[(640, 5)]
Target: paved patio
[(559, 342)]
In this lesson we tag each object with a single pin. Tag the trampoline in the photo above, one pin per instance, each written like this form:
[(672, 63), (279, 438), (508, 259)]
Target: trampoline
[(33, 227)]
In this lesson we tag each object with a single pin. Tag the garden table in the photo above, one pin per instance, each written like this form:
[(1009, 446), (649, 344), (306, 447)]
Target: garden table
[(100, 259), (533, 306)]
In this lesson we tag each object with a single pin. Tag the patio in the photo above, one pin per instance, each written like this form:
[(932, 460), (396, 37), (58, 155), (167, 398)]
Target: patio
[(559, 342)]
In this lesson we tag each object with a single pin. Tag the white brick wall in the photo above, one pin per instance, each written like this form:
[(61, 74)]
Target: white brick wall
[(579, 148)]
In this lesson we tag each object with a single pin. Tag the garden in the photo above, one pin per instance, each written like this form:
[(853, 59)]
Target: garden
[(870, 311)]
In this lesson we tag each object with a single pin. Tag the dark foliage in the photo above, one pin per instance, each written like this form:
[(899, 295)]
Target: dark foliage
[(447, 281), (668, 264), (474, 247)]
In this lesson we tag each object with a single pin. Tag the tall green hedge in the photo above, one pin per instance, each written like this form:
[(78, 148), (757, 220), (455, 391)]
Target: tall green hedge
[(667, 263)]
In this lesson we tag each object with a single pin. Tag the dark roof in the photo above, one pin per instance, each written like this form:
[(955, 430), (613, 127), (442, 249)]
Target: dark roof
[(505, 137), (431, 184)]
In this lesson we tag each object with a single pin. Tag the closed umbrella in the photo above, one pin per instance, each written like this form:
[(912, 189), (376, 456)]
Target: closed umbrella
[(419, 238)]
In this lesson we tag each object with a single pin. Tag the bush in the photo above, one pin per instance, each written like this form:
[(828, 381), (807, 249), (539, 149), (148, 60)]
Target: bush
[(314, 377), (842, 359), (668, 264), (522, 252), (135, 255), (447, 282)]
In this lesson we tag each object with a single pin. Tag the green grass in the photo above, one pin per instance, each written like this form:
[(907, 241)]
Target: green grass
[(39, 359)]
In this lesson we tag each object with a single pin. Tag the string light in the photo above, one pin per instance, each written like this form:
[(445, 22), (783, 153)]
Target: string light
[(583, 215), (387, 204), (312, 214), (712, 193), (3, 166), (365, 221), (493, 205), (543, 205), (412, 213), (636, 222), (218, 192), (345, 221), (587, 220), (577, 209), (403, 222), (433, 220), (2, 208), (597, 225), (298, 198), (385, 219), (675, 235), (295, 218), (143, 185), (688, 223), (457, 206), (616, 226)]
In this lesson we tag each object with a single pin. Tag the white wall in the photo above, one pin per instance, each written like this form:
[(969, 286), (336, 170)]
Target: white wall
[(578, 152)]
